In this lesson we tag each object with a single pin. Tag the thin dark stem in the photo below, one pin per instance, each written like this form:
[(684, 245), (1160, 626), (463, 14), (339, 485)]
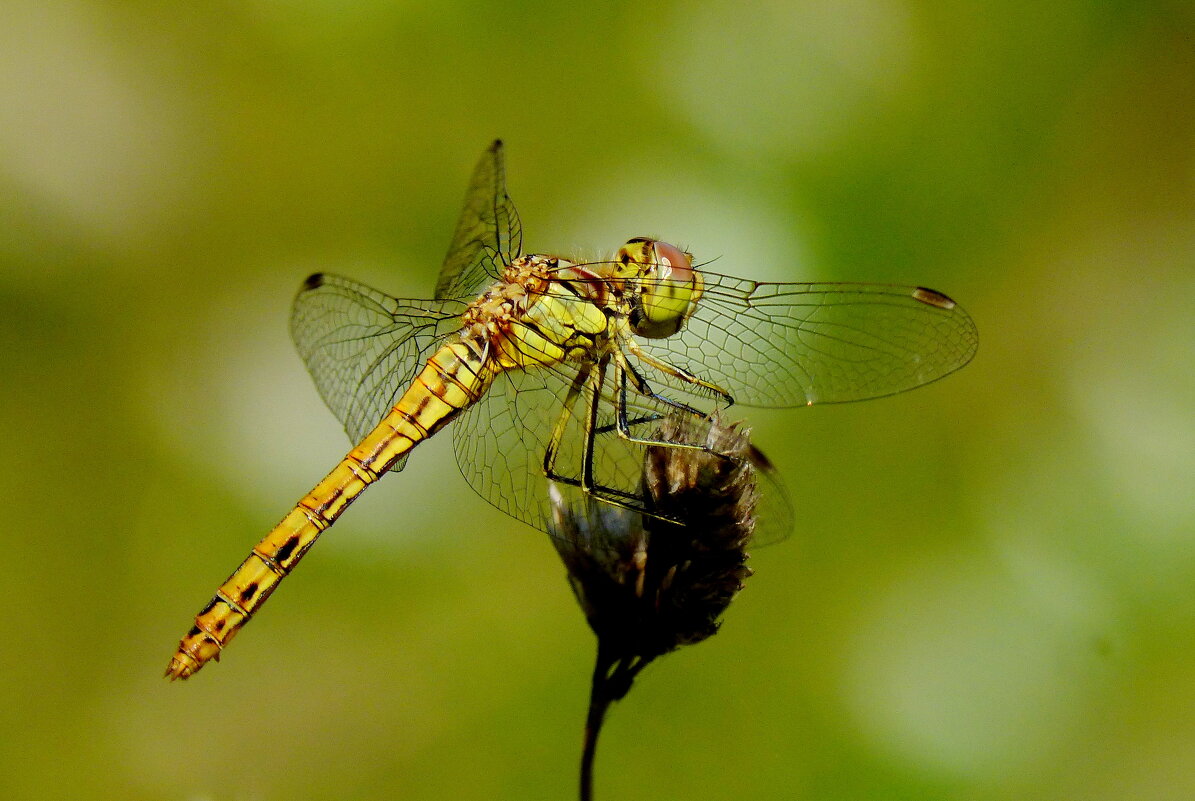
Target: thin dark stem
[(599, 701), (613, 674)]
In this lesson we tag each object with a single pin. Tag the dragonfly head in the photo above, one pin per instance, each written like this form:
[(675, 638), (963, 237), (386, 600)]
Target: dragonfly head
[(665, 287)]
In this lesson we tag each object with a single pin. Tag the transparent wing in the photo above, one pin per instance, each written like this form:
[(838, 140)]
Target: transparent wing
[(767, 344), (775, 519), (488, 235), (773, 344), (501, 439), (500, 442), (363, 347)]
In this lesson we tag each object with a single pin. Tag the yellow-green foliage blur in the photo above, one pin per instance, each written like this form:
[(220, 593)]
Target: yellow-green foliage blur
[(990, 593)]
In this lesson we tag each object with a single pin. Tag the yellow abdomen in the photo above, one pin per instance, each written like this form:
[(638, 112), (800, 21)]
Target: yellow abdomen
[(454, 378)]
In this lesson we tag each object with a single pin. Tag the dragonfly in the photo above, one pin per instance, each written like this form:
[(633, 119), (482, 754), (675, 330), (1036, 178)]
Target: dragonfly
[(557, 372)]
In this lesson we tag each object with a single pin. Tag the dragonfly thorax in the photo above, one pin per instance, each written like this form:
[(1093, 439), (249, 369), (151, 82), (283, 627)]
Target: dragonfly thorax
[(540, 314), (523, 281)]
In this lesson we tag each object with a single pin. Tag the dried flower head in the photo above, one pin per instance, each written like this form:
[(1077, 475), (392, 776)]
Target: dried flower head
[(651, 582)]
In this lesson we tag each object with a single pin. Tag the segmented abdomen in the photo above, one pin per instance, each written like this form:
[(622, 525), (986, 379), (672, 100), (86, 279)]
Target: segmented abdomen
[(454, 377)]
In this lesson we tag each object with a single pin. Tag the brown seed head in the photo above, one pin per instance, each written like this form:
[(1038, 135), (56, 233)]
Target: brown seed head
[(649, 583)]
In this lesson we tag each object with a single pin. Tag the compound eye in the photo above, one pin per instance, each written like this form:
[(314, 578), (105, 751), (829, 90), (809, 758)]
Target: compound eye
[(674, 264), (669, 291)]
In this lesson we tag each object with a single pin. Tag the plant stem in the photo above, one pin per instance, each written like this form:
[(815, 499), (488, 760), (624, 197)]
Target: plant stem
[(599, 702), (612, 679)]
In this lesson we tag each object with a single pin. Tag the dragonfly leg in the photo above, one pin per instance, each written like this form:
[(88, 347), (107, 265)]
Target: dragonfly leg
[(637, 421), (591, 418), (674, 371), (641, 386), (566, 414), (590, 380)]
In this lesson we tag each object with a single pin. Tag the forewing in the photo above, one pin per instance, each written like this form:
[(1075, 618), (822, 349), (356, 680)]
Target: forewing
[(363, 347), (488, 235), (777, 344)]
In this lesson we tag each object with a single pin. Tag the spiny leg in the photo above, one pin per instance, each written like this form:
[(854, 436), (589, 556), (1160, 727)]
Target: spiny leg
[(638, 421), (674, 371), (642, 387), (613, 495), (591, 418), (589, 380), (566, 414)]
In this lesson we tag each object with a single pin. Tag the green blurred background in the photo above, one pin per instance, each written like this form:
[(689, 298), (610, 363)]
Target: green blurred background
[(991, 591)]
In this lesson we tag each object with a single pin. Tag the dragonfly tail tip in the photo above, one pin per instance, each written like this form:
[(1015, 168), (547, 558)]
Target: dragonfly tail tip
[(178, 669)]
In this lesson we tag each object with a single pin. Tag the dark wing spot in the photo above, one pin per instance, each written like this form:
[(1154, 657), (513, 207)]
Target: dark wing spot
[(756, 457), (314, 281), (932, 298)]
